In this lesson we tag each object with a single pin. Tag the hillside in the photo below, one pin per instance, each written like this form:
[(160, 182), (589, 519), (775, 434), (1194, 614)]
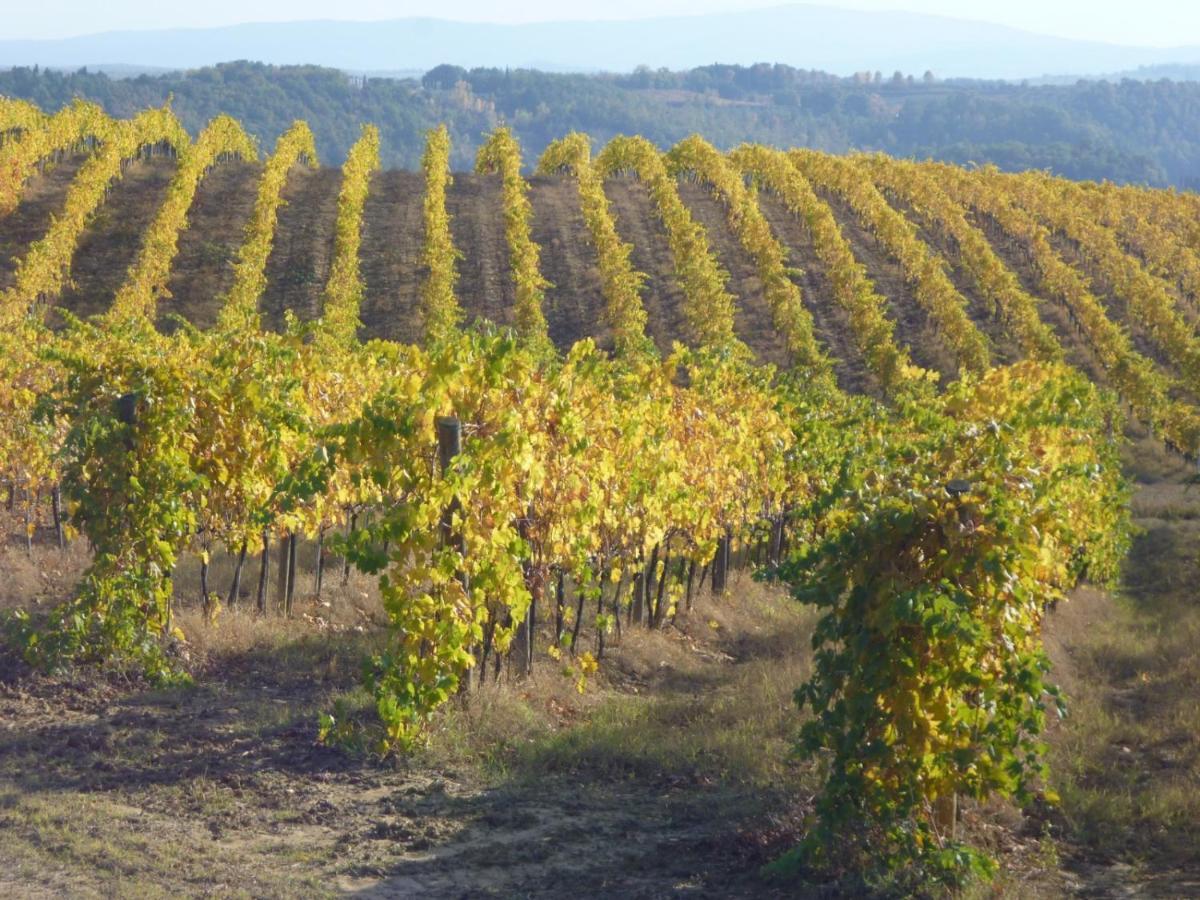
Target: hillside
[(392, 240), (665, 762)]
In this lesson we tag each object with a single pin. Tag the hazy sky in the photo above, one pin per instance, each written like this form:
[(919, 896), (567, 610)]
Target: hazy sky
[(1148, 22)]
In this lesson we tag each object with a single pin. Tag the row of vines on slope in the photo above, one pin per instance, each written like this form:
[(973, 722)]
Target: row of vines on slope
[(1133, 375), (698, 157), (147, 279), (240, 305), (502, 154), (708, 306), (1130, 214), (866, 309), (440, 310), (44, 270), (1150, 304), (621, 283), (922, 268), (994, 280), (70, 129), (344, 289)]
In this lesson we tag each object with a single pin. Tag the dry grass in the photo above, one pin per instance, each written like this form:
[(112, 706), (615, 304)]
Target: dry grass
[(709, 699), (672, 767)]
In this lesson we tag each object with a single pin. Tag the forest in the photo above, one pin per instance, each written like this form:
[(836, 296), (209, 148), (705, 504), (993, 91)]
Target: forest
[(1131, 131)]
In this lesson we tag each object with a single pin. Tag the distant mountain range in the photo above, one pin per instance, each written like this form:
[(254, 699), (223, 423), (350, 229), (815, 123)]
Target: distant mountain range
[(809, 36)]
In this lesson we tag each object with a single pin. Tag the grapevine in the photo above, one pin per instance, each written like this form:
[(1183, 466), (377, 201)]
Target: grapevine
[(923, 269), (1133, 375), (708, 307), (147, 280), (42, 273), (995, 281), (344, 289), (240, 306), (791, 319), (65, 131), (440, 312), (872, 330), (622, 284)]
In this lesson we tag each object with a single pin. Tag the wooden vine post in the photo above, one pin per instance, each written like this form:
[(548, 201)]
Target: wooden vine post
[(449, 437), (720, 565)]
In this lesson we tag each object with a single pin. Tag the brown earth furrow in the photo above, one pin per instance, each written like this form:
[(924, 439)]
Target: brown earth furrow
[(43, 197), (1004, 347), (302, 250), (393, 233), (753, 321), (638, 224), (830, 323), (574, 304), (914, 328), (208, 247), (110, 244), (485, 289)]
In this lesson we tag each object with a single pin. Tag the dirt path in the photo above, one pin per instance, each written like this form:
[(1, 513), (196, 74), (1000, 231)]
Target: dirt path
[(485, 288), (653, 782)]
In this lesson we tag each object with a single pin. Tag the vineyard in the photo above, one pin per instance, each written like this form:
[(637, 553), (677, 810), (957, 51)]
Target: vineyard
[(553, 409)]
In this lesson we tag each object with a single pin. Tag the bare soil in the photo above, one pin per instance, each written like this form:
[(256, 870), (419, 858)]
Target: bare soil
[(208, 248), (112, 240), (475, 204), (574, 303), (44, 195), (392, 238), (302, 251)]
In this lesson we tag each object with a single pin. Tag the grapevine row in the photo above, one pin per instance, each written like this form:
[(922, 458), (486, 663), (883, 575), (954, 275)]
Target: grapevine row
[(43, 271), (1165, 254), (994, 280), (440, 311), (61, 133), (1150, 303), (240, 304), (621, 283), (708, 306), (147, 279), (698, 157), (872, 330), (344, 289), (1133, 375), (922, 268), (502, 154), (19, 117)]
